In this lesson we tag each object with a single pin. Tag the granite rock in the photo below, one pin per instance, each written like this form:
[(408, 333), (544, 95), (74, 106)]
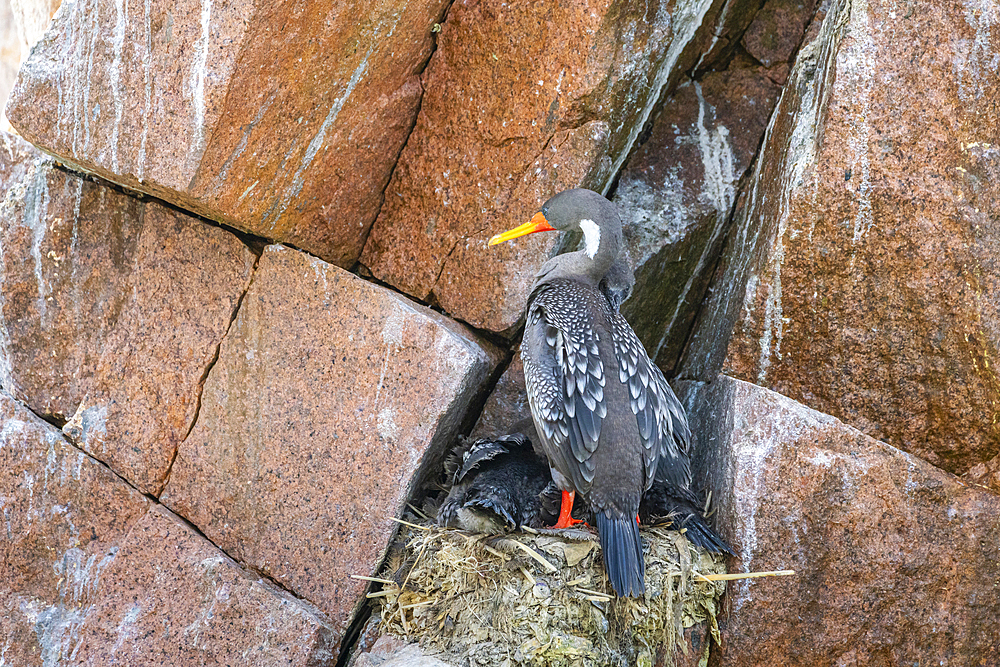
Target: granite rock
[(112, 310), (330, 399), (523, 100), (676, 195), (65, 516), (896, 561), (183, 290), (507, 404), (776, 30), (167, 98), (859, 272), (170, 597)]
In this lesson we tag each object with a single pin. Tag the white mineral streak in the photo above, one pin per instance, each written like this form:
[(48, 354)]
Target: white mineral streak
[(274, 213), (220, 179), (800, 155), (855, 79), (88, 79), (199, 72), (720, 28), (976, 63), (147, 65), (684, 23), (716, 158), (57, 625), (36, 206), (298, 180), (115, 76), (765, 429), (6, 370), (656, 215), (124, 631)]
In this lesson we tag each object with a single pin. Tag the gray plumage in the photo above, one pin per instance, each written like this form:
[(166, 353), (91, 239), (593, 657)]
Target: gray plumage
[(606, 417)]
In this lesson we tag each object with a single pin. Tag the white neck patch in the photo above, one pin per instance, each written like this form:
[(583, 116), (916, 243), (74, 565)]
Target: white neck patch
[(592, 236)]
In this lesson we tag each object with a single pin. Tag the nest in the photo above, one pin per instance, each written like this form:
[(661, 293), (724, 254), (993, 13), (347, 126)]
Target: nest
[(542, 598)]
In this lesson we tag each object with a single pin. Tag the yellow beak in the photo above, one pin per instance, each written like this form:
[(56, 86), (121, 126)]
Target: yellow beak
[(538, 223)]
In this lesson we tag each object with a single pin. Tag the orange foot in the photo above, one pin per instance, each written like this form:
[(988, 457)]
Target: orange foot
[(566, 519)]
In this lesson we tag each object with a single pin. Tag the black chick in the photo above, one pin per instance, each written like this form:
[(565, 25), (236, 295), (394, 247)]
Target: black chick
[(497, 484), (683, 513)]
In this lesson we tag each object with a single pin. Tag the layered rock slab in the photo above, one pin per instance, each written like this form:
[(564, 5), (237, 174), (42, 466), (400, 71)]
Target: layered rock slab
[(65, 518), (171, 598), (523, 100), (859, 273), (896, 561), (676, 195), (112, 310), (166, 99), (331, 395), (92, 573)]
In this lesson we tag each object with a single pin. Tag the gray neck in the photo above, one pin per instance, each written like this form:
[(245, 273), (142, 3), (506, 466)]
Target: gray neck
[(580, 266)]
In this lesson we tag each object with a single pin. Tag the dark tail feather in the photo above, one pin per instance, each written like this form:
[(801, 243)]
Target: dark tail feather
[(622, 549), (701, 535), (682, 512)]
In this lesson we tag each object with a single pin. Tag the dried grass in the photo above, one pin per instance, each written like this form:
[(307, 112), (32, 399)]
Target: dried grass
[(543, 598)]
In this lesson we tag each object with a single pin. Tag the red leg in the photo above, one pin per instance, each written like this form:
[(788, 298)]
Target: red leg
[(566, 519)]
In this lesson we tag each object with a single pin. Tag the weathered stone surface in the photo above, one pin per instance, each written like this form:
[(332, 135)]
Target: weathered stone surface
[(89, 576), (862, 267), (67, 246), (183, 290), (776, 30), (507, 404), (112, 309), (393, 652), (896, 561), (523, 100), (10, 54), (167, 99), (676, 196), (171, 598), (65, 516), (330, 396)]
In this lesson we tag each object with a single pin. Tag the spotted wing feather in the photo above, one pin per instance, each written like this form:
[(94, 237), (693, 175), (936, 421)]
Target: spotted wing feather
[(662, 423), (564, 376)]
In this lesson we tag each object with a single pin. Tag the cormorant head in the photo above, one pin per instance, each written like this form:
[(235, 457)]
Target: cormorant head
[(582, 209)]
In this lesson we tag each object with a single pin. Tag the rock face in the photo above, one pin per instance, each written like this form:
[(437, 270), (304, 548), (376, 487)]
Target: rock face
[(868, 246), (92, 573), (167, 100), (896, 561), (328, 395), (65, 517), (112, 310), (524, 100), (676, 195), (507, 404), (171, 598)]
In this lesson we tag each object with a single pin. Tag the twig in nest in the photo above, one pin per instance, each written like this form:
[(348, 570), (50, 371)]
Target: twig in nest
[(527, 575), (418, 512), (744, 575), (375, 579), (418, 604), (411, 525), (499, 554), (381, 594), (504, 542), (596, 594)]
